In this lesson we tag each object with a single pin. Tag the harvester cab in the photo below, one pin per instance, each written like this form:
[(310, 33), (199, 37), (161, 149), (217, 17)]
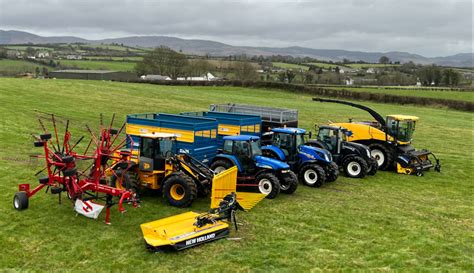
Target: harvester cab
[(389, 140), (314, 165), (354, 158), (159, 166), (269, 175)]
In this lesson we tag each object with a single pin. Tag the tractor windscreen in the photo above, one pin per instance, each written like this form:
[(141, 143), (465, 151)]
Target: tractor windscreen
[(300, 140), (256, 147), (402, 130)]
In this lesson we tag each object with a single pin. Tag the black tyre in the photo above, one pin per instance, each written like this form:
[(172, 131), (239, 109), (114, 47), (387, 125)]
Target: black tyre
[(43, 180), (69, 172), (355, 167), (373, 167), (312, 175), (45, 136), (20, 200), (332, 172), (38, 143), (67, 159), (180, 190), (268, 184), (221, 165), (382, 154), (288, 183)]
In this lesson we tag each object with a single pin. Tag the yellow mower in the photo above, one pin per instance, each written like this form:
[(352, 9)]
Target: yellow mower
[(191, 228), (389, 140)]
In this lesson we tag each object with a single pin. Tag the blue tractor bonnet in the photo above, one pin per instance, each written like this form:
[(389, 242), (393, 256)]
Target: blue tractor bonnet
[(242, 138), (313, 153), (270, 163), (289, 130)]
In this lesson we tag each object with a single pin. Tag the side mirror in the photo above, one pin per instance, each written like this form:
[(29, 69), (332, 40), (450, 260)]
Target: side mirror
[(348, 133), (310, 135)]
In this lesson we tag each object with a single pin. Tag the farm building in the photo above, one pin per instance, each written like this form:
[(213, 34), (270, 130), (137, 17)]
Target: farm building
[(105, 75)]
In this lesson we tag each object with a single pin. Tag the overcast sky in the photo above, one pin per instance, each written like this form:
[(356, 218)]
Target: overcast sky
[(427, 27)]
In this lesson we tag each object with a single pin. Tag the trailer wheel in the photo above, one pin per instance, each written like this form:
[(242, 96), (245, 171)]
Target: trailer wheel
[(268, 184), (355, 167), (220, 165), (382, 155), (289, 183), (20, 200), (312, 175), (180, 190)]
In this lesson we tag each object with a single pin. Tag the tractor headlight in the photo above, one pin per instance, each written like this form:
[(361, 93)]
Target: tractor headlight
[(285, 171)]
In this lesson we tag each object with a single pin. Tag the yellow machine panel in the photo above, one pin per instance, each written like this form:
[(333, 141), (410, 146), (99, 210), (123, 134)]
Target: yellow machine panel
[(182, 135), (223, 184), (362, 131)]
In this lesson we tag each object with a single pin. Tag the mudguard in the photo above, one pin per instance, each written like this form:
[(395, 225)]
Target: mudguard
[(232, 158), (270, 163), (275, 150)]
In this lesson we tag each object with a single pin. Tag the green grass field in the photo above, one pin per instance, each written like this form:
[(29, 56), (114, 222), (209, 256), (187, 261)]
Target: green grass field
[(385, 222), (425, 93), (13, 67), (290, 66), (99, 65)]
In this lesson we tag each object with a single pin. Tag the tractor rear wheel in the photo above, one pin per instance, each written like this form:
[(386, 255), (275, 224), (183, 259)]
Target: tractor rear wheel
[(355, 167), (220, 165), (288, 183), (20, 200), (382, 155), (268, 184), (373, 167), (312, 175), (179, 190)]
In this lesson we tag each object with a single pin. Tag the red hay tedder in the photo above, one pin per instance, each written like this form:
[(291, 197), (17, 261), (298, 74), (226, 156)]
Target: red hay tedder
[(85, 187)]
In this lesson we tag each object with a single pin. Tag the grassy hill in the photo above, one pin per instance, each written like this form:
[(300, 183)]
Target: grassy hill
[(384, 222)]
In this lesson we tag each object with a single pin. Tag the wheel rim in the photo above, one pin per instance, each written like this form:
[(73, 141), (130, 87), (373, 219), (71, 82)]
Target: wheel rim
[(353, 168), (265, 186), (177, 192), (378, 155), (284, 185), (219, 169), (311, 176), (16, 202)]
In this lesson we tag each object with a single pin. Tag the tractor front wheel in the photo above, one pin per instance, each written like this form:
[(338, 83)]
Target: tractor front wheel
[(355, 167), (268, 184), (180, 190), (373, 166), (312, 175), (20, 200), (332, 172), (289, 183)]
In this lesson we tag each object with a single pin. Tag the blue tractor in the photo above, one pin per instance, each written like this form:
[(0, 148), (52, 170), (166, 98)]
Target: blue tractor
[(269, 175), (313, 165)]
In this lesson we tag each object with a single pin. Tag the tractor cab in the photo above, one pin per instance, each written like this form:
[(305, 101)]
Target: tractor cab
[(154, 150), (288, 140), (401, 127), (332, 137), (245, 149)]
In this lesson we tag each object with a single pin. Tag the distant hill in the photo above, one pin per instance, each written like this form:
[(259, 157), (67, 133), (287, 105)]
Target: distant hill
[(202, 47)]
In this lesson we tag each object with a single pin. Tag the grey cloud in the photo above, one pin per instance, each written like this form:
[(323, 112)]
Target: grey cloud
[(428, 27)]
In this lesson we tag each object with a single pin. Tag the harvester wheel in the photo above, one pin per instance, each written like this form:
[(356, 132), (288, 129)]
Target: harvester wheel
[(289, 183), (312, 175), (180, 190), (355, 167), (20, 200), (268, 184), (382, 155), (220, 165)]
